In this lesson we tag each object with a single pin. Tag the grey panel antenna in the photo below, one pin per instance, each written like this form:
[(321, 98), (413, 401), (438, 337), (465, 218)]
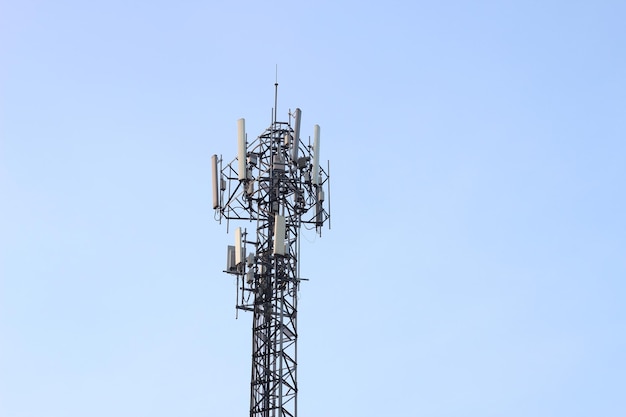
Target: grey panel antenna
[(216, 198)]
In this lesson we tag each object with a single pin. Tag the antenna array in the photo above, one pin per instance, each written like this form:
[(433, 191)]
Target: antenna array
[(276, 184)]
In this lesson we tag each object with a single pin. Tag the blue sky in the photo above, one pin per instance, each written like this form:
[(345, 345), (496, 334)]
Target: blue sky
[(477, 256)]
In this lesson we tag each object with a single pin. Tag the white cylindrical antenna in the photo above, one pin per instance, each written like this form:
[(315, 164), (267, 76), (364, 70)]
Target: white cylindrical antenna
[(296, 135), (316, 155), (279, 234), (241, 149), (238, 247), (216, 194)]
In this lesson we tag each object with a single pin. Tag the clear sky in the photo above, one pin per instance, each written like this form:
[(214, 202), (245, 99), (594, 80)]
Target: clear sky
[(476, 263)]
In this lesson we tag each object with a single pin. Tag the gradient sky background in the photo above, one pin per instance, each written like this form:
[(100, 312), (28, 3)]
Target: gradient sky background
[(477, 258)]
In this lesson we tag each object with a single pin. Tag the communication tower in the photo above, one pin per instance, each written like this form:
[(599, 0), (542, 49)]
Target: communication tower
[(276, 185)]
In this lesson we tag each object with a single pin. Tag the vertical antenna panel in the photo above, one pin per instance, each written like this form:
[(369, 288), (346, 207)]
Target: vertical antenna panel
[(230, 259), (296, 135), (241, 149), (316, 155), (216, 200), (238, 246), (279, 234)]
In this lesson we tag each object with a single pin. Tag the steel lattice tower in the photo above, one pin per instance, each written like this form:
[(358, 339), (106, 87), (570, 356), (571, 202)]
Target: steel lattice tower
[(276, 185)]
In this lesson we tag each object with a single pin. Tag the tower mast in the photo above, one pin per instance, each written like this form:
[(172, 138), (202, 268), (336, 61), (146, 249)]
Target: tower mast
[(275, 185)]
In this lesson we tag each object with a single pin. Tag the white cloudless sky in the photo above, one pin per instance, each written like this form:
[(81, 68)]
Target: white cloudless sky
[(476, 261)]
